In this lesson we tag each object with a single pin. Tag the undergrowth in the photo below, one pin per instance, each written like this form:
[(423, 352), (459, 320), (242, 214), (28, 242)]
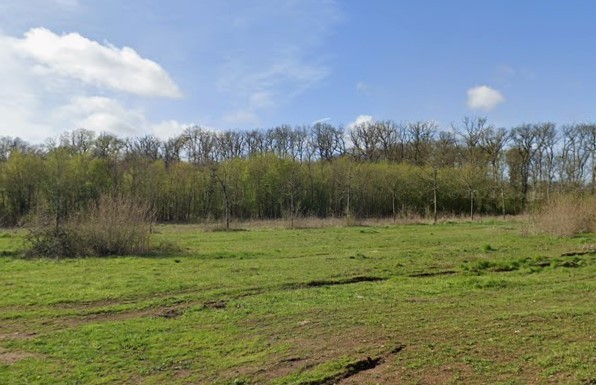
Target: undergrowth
[(565, 216), (112, 226)]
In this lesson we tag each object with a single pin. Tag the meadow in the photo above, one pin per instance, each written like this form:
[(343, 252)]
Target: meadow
[(463, 302)]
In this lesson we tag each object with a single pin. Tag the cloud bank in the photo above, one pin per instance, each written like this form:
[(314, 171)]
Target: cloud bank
[(100, 65), (54, 83)]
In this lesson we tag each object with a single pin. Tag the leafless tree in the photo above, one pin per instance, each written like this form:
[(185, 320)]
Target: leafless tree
[(199, 145), (147, 146), (79, 141), (9, 145), (365, 139), (526, 143), (172, 149), (230, 145), (328, 140), (420, 137), (387, 133), (255, 143)]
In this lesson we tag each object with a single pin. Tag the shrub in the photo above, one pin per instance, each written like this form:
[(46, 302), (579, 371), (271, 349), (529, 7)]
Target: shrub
[(566, 216), (55, 242), (117, 226), (111, 226)]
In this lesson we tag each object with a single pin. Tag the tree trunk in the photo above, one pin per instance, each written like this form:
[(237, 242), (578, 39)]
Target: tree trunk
[(393, 205), (435, 187), (292, 211), (472, 204), (503, 201)]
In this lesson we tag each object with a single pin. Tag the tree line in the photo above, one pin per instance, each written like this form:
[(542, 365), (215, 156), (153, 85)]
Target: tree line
[(373, 169)]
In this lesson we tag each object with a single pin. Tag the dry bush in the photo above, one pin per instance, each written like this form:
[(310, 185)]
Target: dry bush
[(112, 226), (117, 226), (566, 216)]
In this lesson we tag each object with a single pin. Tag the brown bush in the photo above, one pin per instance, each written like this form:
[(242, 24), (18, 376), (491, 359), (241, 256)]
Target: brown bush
[(566, 216), (111, 226)]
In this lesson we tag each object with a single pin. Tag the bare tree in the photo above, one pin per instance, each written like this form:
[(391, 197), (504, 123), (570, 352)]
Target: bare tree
[(328, 140), (387, 133), (526, 143), (590, 129), (543, 164), (281, 140), (492, 143), (9, 145), (199, 145), (255, 143), (365, 139), (230, 145), (299, 143), (147, 146), (471, 131), (420, 136), (574, 155), (172, 149), (108, 146), (79, 141)]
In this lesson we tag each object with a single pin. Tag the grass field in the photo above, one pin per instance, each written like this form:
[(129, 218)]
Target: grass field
[(454, 303)]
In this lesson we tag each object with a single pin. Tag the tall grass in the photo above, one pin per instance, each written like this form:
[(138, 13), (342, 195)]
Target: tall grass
[(566, 216), (111, 226)]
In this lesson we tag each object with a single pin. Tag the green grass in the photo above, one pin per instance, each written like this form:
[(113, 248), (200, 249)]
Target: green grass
[(453, 303)]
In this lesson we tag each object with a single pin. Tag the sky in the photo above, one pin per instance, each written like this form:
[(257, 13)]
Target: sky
[(155, 67)]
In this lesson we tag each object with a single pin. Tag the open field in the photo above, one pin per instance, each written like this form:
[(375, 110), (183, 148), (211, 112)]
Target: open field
[(474, 303)]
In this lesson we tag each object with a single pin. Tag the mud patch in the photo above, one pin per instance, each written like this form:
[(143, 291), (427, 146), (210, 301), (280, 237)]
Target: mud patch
[(170, 313), (432, 273), (10, 357), (284, 367), (331, 282), (215, 304), (359, 367), (18, 336)]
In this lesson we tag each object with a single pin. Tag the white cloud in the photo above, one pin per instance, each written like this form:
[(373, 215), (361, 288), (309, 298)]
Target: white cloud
[(361, 119), (102, 114), (73, 56), (484, 98), (54, 95), (168, 129)]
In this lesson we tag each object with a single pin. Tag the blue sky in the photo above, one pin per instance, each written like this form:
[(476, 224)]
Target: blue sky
[(155, 67)]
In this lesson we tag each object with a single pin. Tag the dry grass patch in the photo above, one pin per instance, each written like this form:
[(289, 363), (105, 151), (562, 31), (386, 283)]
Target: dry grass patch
[(112, 226), (566, 217)]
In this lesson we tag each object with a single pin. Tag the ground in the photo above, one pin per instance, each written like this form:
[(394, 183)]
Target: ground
[(452, 303)]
